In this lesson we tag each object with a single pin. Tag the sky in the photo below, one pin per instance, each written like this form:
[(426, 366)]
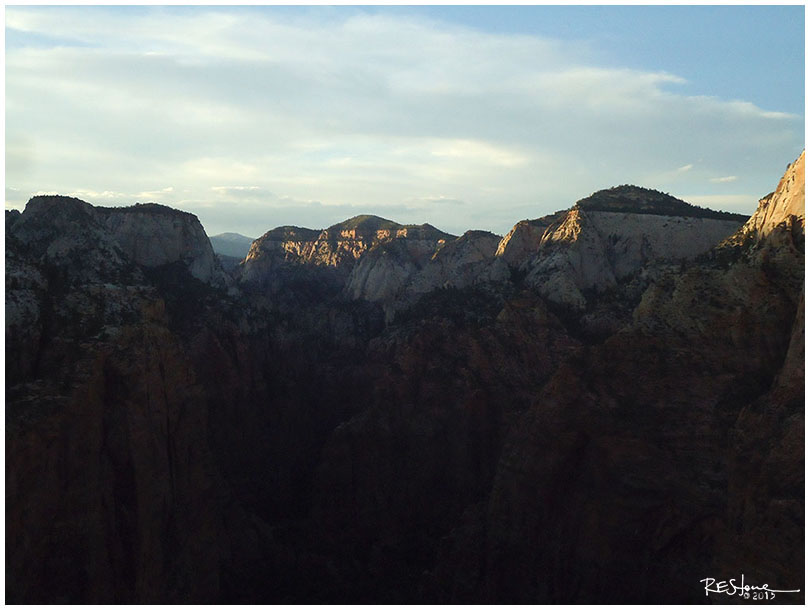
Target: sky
[(464, 117)]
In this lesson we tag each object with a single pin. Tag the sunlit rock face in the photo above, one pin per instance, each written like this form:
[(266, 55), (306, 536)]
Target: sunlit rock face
[(396, 274), (524, 239), (612, 235), (337, 249), (384, 273), (784, 205), (674, 448), (389, 414)]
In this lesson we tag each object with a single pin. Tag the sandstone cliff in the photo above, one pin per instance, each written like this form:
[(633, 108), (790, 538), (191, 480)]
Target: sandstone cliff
[(59, 228), (524, 239), (295, 442), (153, 235), (784, 205), (332, 253), (672, 450), (610, 236), (109, 483), (397, 274)]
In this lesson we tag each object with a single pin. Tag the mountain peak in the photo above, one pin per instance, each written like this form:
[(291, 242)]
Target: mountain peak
[(368, 222), (633, 199)]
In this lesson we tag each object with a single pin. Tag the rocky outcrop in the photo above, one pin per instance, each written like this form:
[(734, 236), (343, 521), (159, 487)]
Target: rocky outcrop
[(109, 483), (338, 248), (69, 235), (59, 230), (590, 250), (524, 239), (784, 206), (670, 450), (397, 274), (342, 244), (293, 442), (384, 273), (153, 235), (463, 262)]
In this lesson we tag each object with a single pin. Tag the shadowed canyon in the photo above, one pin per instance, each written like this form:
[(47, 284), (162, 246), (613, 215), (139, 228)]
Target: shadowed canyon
[(606, 405)]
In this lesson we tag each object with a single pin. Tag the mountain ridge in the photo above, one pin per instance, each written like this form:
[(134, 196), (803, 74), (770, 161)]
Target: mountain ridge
[(585, 410), (641, 200)]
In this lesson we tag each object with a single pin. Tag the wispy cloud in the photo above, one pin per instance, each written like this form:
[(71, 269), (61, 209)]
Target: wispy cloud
[(724, 179), (356, 112)]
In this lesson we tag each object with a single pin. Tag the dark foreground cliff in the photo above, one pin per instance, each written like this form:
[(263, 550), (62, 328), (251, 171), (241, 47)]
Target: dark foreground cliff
[(604, 406)]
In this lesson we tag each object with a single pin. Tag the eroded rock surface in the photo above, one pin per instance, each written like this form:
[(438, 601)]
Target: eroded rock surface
[(606, 405)]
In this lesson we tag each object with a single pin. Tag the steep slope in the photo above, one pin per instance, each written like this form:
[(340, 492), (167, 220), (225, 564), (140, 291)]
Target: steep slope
[(397, 274), (595, 250), (56, 229), (524, 239), (153, 235), (296, 251), (672, 450), (384, 273), (608, 237), (109, 486), (386, 413), (785, 206), (462, 262)]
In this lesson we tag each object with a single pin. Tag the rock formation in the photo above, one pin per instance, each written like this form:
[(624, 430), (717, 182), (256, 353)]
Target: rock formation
[(672, 450), (608, 237), (605, 405), (153, 235)]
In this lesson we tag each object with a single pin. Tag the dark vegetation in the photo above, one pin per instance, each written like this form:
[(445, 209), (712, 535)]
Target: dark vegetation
[(151, 208), (639, 200)]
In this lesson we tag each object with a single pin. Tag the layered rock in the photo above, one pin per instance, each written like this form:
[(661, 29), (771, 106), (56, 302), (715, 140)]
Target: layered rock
[(287, 253), (342, 244), (672, 450), (108, 473), (68, 234), (397, 274), (169, 442), (612, 235), (384, 273)]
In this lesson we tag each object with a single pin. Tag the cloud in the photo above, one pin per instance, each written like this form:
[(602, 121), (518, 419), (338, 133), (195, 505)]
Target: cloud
[(724, 179), (358, 112)]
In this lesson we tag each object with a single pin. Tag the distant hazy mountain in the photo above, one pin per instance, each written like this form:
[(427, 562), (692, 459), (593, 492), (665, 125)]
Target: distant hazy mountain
[(231, 244)]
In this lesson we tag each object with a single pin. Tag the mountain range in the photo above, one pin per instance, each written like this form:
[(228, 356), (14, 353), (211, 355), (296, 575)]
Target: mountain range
[(605, 405)]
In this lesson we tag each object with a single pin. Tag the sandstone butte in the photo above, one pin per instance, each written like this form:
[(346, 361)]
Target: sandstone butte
[(606, 405)]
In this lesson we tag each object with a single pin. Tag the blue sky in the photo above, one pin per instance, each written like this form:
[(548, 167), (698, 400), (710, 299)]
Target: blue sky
[(464, 117)]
